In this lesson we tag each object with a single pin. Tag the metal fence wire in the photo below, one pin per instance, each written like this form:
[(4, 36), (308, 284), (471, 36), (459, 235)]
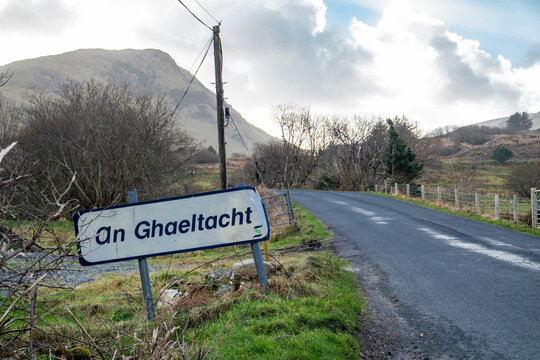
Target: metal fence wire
[(510, 207)]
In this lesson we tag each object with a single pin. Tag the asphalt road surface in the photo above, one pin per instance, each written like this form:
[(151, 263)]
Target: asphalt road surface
[(456, 288)]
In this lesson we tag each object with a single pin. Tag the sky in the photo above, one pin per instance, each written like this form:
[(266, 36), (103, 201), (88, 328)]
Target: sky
[(437, 62)]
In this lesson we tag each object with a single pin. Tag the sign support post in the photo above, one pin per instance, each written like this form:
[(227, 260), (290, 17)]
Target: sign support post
[(143, 271), (259, 264), (258, 259)]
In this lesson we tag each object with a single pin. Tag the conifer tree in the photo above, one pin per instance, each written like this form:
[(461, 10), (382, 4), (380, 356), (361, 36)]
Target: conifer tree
[(400, 159), (519, 121)]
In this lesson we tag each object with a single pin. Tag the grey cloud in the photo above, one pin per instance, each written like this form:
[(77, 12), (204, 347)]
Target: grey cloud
[(462, 82), (32, 17), (294, 62)]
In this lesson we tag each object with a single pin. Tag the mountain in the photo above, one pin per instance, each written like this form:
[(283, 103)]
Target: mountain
[(501, 122), (149, 70)]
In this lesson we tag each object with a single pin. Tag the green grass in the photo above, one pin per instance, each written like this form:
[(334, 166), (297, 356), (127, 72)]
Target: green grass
[(483, 175), (301, 327), (502, 223), (310, 310)]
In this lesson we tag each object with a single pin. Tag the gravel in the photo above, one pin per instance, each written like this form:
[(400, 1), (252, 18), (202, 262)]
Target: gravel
[(72, 274)]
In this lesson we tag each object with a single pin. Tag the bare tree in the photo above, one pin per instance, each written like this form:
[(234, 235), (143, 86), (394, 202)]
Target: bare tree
[(346, 155), (301, 133), (113, 139), (270, 160), (11, 119), (373, 148), (5, 77), (30, 256)]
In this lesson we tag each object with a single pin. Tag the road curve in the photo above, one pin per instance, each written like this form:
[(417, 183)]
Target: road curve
[(468, 289)]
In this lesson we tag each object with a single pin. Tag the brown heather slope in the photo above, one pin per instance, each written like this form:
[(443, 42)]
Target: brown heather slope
[(524, 147)]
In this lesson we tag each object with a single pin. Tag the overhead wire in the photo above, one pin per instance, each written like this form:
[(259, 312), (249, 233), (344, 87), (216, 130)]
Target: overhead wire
[(194, 75), (207, 46), (206, 11), (195, 16), (200, 54), (205, 49), (247, 149)]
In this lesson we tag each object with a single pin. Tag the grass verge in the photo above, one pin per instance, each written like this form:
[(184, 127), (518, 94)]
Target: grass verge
[(309, 311), (500, 222)]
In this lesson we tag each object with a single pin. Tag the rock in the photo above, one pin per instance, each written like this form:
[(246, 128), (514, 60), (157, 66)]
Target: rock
[(223, 289), (167, 298), (219, 274), (246, 269)]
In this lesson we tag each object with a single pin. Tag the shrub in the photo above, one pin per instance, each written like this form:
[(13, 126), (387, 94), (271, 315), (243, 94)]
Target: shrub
[(501, 154), (326, 182), (113, 139), (207, 156), (523, 178)]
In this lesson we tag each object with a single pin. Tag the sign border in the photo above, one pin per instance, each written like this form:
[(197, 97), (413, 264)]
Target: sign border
[(78, 214)]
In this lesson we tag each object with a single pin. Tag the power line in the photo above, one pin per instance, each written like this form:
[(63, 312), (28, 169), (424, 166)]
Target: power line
[(206, 11), (195, 16), (200, 54), (247, 149), (209, 43)]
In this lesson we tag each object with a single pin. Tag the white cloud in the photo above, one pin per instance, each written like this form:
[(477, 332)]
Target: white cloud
[(281, 51)]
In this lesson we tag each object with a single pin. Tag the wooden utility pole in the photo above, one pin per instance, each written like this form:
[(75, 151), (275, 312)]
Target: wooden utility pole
[(220, 108)]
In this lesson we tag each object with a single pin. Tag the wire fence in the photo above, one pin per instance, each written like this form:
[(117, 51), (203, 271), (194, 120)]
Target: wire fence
[(495, 206)]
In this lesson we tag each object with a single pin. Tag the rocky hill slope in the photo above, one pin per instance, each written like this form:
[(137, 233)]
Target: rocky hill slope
[(147, 70)]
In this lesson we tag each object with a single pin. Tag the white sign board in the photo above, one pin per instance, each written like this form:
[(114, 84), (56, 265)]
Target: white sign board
[(160, 227)]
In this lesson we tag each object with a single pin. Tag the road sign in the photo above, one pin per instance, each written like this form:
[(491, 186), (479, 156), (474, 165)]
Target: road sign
[(160, 227)]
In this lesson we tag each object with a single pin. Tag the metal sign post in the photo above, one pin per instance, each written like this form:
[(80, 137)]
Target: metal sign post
[(258, 259), (143, 271)]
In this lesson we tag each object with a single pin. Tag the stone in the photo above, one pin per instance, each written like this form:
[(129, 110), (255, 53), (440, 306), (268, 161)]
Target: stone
[(167, 298), (247, 269)]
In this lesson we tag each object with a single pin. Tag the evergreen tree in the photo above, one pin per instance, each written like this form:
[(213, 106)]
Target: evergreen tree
[(519, 121), (400, 160)]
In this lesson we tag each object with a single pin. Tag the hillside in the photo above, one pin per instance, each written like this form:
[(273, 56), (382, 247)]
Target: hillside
[(470, 167), (501, 122), (149, 70), (523, 146)]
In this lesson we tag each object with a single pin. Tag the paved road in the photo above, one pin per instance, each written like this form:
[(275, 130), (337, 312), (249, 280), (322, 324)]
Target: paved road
[(468, 289)]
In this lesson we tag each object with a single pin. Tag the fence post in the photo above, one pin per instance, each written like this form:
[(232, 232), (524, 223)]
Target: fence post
[(456, 198), (408, 190), (143, 272), (497, 206), (533, 207), (376, 188), (397, 189), (32, 307), (516, 213), (438, 195), (423, 192), (289, 205), (477, 201)]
